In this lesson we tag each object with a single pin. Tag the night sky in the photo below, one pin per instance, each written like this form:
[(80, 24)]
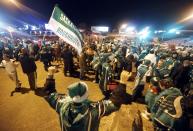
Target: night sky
[(156, 13)]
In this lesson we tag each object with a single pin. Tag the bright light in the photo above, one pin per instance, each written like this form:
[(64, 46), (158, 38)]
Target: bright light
[(26, 27), (144, 33), (103, 29), (48, 27), (99, 29), (33, 28), (186, 18), (10, 29), (130, 29), (123, 26), (13, 1), (177, 32), (172, 31), (160, 31)]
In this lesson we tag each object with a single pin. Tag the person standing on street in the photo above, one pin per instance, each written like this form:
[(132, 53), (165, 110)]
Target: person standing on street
[(68, 61), (29, 67), (10, 67)]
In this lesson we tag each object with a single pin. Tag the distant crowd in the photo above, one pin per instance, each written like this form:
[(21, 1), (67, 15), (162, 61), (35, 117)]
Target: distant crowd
[(167, 71)]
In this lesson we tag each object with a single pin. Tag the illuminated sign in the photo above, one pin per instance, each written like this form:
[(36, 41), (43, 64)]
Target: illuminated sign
[(99, 29)]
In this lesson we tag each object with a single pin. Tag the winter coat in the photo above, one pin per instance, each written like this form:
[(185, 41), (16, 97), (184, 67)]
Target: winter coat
[(27, 63), (84, 116)]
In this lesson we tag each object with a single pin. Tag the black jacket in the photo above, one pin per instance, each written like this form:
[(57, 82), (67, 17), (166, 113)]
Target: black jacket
[(27, 63)]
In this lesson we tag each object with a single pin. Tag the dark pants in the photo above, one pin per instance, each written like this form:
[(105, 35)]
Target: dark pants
[(82, 72), (68, 66), (98, 73), (46, 65), (137, 92), (32, 77)]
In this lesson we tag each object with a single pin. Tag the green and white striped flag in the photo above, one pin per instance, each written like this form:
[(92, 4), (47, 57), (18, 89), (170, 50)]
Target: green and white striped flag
[(65, 29)]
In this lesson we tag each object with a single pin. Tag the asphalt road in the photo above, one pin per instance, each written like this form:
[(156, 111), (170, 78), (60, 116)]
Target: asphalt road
[(28, 111)]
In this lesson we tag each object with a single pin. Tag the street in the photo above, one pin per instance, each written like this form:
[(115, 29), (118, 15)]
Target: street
[(28, 111)]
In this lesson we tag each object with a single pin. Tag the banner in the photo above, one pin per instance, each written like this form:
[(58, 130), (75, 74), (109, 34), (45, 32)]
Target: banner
[(65, 29)]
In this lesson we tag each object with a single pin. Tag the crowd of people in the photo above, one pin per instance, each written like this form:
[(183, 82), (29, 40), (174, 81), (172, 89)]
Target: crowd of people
[(167, 71)]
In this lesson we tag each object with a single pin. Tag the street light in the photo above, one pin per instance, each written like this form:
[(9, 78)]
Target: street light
[(123, 26), (187, 18), (144, 33), (177, 32), (129, 29), (33, 28), (10, 30), (11, 2), (172, 31)]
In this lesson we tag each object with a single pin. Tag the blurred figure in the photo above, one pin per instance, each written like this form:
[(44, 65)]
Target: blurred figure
[(82, 63), (181, 76), (29, 68), (140, 79), (160, 70), (151, 56), (31, 49), (128, 62), (68, 61), (168, 110), (45, 58), (77, 112), (10, 67), (152, 92)]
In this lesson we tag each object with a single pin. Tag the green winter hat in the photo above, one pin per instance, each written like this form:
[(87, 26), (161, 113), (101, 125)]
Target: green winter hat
[(78, 92)]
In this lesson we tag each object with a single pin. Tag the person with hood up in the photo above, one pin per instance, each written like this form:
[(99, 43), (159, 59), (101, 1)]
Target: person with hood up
[(77, 112)]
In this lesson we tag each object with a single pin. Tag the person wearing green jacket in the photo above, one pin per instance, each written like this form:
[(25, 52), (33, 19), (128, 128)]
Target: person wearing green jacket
[(78, 113)]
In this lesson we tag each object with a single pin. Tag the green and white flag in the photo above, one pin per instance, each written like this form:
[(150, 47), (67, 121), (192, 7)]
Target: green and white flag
[(65, 29)]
